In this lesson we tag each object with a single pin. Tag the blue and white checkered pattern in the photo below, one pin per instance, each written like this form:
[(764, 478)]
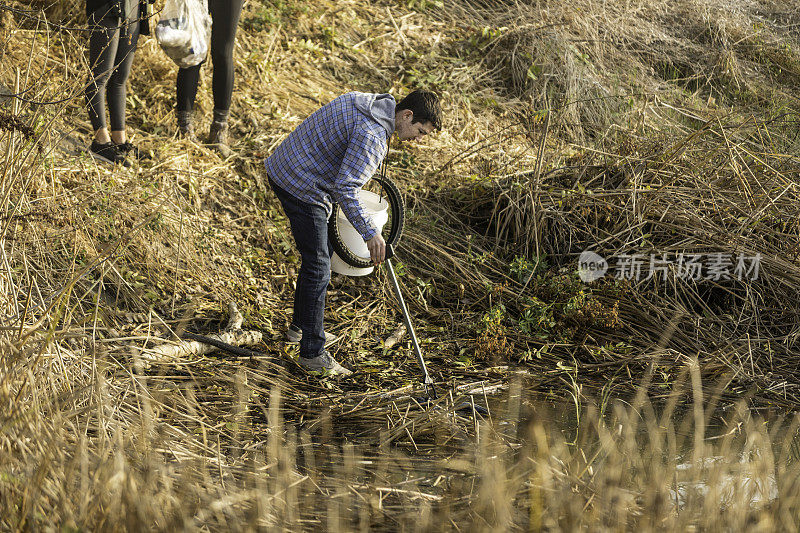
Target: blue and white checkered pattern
[(329, 157)]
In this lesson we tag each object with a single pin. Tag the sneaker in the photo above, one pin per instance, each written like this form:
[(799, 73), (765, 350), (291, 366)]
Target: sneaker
[(293, 336), (130, 151), (324, 362), (108, 152)]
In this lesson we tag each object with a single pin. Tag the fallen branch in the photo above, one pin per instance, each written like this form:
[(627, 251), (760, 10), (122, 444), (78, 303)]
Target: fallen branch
[(230, 340), (194, 347), (225, 346)]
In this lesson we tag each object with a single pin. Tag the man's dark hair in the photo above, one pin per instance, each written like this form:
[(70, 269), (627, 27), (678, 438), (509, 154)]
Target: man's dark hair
[(424, 105)]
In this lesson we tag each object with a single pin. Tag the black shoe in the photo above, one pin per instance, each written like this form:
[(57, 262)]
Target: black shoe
[(130, 151), (108, 152), (218, 138)]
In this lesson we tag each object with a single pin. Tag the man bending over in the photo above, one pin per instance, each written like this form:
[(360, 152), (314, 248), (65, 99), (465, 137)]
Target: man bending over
[(326, 160)]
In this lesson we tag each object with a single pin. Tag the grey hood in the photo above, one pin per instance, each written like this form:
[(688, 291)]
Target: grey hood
[(379, 107)]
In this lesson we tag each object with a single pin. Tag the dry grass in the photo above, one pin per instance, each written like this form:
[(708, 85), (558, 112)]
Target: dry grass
[(628, 126), (99, 448)]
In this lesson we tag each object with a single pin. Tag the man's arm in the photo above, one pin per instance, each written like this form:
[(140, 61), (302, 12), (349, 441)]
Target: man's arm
[(364, 154)]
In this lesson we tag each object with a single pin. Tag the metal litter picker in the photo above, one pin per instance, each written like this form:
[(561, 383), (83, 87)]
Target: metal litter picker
[(426, 378)]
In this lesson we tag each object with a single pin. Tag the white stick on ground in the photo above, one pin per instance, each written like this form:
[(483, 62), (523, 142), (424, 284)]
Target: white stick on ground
[(233, 334), (183, 348)]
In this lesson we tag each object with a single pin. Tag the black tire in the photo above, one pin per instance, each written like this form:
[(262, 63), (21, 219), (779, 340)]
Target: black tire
[(397, 210)]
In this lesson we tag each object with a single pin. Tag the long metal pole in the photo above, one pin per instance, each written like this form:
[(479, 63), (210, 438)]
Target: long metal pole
[(426, 378)]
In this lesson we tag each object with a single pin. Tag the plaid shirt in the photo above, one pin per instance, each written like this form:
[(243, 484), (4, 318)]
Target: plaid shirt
[(329, 157)]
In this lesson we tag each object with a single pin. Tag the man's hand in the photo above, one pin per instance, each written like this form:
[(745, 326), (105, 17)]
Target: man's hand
[(377, 249)]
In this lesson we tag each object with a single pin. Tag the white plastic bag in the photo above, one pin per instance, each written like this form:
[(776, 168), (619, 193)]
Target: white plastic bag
[(184, 31)]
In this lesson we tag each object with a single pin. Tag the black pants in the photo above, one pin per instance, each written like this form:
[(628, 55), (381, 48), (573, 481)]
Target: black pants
[(111, 47), (225, 15)]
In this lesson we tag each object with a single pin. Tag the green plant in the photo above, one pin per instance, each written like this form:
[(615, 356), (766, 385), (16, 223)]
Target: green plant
[(275, 12), (329, 37), (492, 332), (479, 39), (536, 319), (424, 5), (523, 269)]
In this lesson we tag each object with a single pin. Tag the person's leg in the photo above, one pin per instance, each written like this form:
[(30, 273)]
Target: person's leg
[(103, 42), (312, 285), (188, 80), (186, 89), (225, 14), (117, 83), (309, 226), (186, 92)]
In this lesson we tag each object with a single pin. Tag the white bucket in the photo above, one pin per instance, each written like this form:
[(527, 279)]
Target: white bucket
[(378, 209)]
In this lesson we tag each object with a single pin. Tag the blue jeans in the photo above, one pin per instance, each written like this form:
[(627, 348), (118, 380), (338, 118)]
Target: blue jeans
[(309, 225)]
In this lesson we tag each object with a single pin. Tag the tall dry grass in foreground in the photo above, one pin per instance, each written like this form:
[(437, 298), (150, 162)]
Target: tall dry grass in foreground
[(94, 443)]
